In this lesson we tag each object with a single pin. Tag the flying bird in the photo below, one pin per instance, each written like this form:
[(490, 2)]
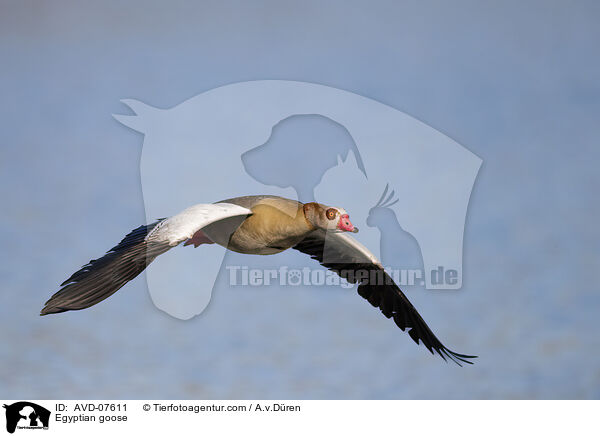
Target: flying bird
[(263, 225)]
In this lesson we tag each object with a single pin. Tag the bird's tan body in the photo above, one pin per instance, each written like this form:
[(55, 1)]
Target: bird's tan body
[(275, 225)]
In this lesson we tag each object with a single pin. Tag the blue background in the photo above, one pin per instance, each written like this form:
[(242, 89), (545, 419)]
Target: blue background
[(516, 83)]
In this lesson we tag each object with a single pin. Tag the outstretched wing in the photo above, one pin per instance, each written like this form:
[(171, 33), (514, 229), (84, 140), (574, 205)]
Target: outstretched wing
[(182, 226), (102, 277), (342, 254)]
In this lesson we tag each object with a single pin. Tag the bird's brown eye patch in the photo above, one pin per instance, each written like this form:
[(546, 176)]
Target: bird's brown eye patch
[(330, 213)]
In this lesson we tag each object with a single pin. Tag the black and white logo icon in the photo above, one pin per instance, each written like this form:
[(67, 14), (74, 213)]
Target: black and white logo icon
[(26, 415)]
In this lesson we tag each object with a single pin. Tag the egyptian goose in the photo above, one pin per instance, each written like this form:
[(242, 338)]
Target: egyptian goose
[(252, 225)]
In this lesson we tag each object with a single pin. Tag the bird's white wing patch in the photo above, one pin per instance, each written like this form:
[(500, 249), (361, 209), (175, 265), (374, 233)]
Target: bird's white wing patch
[(182, 226), (347, 244), (337, 247)]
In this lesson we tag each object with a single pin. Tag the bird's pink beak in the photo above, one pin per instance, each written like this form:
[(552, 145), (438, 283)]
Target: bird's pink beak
[(345, 224)]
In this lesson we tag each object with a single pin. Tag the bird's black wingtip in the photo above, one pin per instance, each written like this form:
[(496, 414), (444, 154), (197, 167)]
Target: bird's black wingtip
[(456, 357), (50, 307), (50, 310)]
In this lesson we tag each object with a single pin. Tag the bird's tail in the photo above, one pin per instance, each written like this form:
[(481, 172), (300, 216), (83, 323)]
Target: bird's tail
[(102, 277)]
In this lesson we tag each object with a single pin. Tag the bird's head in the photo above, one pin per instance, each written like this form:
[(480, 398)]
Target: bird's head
[(328, 218)]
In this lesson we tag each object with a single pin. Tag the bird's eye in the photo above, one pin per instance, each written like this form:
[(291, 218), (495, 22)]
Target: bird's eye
[(330, 213)]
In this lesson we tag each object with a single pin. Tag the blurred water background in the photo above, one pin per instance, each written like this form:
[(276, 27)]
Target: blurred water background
[(514, 82)]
